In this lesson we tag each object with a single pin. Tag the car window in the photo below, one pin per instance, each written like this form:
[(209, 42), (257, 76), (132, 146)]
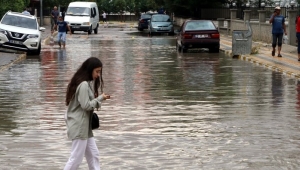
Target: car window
[(17, 21), (200, 25), (78, 11), (160, 18), (146, 16)]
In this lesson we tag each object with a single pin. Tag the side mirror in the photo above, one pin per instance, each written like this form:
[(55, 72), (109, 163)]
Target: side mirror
[(42, 29)]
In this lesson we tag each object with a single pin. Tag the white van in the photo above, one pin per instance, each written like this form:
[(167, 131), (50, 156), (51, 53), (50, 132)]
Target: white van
[(83, 16)]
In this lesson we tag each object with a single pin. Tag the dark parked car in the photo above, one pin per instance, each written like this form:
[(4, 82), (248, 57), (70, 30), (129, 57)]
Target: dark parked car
[(161, 23), (143, 21), (198, 34)]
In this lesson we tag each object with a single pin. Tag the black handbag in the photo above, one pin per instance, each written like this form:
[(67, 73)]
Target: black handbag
[(95, 121)]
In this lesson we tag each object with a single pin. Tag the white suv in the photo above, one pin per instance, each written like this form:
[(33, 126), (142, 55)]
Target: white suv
[(20, 32)]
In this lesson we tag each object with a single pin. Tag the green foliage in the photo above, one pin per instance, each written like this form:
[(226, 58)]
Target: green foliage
[(15, 5)]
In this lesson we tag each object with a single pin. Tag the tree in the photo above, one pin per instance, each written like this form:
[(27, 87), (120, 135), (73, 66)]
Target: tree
[(16, 6)]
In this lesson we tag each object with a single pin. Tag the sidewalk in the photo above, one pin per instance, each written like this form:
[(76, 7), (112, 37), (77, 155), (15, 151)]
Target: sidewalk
[(288, 64)]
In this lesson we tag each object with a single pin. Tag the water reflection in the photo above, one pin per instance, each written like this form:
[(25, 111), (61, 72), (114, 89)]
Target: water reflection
[(298, 95), (277, 88)]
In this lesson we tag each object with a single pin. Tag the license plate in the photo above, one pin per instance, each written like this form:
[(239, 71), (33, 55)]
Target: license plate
[(163, 28), (16, 42), (75, 26), (201, 36)]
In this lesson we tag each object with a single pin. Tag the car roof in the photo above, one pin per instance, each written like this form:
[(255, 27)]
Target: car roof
[(191, 25), (160, 14), (20, 14), (150, 13), (197, 20), (82, 4)]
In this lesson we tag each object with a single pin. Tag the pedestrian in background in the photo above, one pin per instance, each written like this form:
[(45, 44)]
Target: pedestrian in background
[(62, 29), (82, 98), (298, 35), (54, 16), (278, 28), (104, 17), (26, 12)]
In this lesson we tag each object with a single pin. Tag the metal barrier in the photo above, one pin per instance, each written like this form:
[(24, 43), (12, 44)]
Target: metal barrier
[(242, 41)]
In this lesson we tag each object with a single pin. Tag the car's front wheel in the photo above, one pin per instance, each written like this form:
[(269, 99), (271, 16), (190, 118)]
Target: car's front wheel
[(96, 30), (90, 30), (35, 52)]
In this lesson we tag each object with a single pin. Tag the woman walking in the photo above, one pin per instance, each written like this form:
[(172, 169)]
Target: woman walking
[(82, 98)]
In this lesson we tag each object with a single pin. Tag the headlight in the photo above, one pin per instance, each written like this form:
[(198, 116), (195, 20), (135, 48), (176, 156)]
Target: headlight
[(3, 31), (86, 23), (33, 36)]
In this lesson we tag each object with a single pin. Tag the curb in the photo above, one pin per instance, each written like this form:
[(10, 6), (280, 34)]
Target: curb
[(18, 59)]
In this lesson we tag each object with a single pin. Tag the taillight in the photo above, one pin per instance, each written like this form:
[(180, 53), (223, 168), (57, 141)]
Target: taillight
[(215, 35), (142, 20), (187, 36)]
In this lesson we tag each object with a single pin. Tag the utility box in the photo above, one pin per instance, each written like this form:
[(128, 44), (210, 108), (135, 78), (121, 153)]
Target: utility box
[(242, 41)]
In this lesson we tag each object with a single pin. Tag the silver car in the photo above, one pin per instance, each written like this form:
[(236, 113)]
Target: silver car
[(161, 23)]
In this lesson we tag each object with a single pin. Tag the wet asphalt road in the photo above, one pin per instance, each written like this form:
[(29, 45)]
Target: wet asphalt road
[(167, 110)]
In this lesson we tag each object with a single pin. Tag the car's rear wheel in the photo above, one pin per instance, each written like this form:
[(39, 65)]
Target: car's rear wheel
[(214, 49), (96, 30), (183, 49)]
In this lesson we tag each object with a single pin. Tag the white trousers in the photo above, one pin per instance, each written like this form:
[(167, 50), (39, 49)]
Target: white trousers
[(80, 148)]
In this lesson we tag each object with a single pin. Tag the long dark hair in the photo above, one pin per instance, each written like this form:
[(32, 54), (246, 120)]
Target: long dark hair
[(85, 73)]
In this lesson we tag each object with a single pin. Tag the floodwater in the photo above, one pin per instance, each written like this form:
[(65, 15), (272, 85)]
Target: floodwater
[(167, 110)]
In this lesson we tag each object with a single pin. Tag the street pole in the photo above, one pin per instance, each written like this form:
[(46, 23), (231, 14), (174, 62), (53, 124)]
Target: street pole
[(41, 13)]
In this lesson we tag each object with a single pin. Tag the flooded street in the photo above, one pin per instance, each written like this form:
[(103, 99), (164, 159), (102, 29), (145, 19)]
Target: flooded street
[(167, 110)]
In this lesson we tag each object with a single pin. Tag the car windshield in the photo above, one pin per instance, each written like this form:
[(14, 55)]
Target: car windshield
[(79, 11), (145, 16), (160, 18), (18, 21), (199, 25)]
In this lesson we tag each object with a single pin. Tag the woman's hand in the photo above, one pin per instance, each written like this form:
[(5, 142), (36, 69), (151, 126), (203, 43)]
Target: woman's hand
[(105, 96)]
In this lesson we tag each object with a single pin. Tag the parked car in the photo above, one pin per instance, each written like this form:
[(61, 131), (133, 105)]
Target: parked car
[(143, 21), (198, 34), (161, 23), (21, 32)]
